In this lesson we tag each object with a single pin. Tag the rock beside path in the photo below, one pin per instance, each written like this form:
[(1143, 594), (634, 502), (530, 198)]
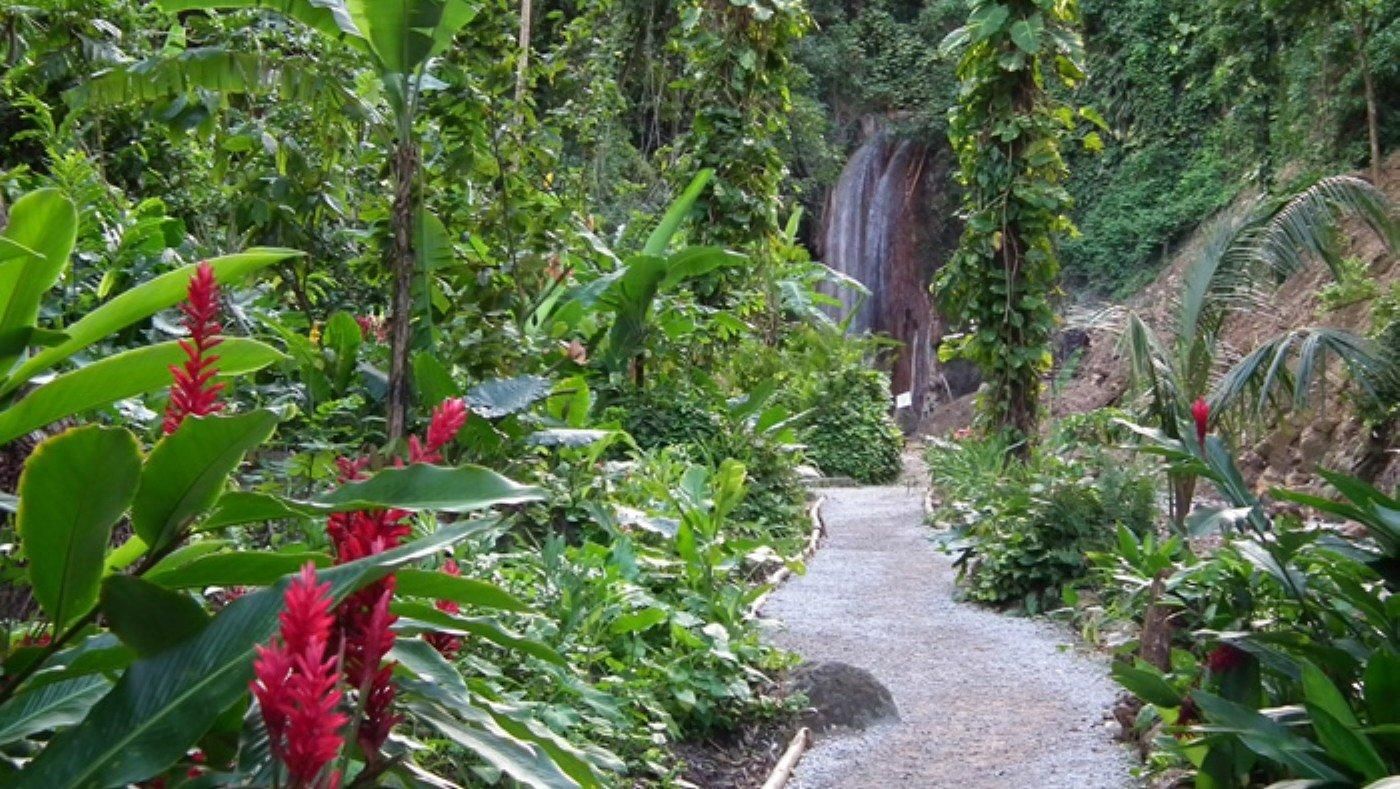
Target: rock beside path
[(841, 695)]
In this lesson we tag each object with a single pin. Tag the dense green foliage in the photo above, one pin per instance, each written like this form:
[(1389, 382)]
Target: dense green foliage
[(849, 432), (1022, 531), (1006, 132), (1208, 99)]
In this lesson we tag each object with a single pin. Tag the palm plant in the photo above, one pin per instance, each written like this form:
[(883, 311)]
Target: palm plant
[(1247, 254)]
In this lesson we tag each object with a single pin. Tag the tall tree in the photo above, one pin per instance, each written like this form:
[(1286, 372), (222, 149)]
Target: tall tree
[(1006, 130), (398, 38)]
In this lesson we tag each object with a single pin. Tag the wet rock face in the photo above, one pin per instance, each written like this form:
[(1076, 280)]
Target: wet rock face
[(888, 224), (839, 694)]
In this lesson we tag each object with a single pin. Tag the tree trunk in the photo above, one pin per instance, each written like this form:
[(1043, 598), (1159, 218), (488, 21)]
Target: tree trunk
[(1183, 492), (403, 265), (1373, 124)]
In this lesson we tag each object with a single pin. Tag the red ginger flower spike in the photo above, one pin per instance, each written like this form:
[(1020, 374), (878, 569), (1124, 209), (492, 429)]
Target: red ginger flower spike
[(367, 644), (448, 419), (295, 682), (447, 645), (194, 392), (1200, 411), (1226, 657)]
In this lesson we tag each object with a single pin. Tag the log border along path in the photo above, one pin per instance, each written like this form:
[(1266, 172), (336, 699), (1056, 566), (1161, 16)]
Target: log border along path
[(985, 699)]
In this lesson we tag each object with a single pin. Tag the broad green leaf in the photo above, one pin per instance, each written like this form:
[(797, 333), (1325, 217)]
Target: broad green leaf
[(467, 591), (424, 487), (187, 470), (439, 681), (430, 619), (101, 653), (693, 262), (343, 338), (638, 621), (431, 379), (1024, 36), (74, 488), (140, 303), (163, 704), (1147, 684), (1382, 684), (122, 556), (127, 374), (187, 553), (503, 397), (523, 762), (327, 18), (1266, 737), (405, 33), (46, 222), (671, 222), (238, 568), (1320, 692), (1345, 745), (987, 21), (238, 507), (146, 617), (13, 250), (50, 707)]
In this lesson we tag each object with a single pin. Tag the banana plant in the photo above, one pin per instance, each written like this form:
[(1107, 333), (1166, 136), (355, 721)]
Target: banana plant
[(397, 38), (629, 294), (34, 251), (1245, 255)]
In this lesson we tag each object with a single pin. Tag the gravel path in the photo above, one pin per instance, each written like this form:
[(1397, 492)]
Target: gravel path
[(985, 700)]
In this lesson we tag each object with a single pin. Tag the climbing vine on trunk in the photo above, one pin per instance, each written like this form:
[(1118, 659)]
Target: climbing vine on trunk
[(1006, 130)]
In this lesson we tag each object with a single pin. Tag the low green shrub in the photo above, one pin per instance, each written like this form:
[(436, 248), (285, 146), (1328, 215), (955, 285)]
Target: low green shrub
[(1022, 531), (849, 431)]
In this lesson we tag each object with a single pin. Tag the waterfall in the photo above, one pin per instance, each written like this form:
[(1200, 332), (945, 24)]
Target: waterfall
[(873, 232)]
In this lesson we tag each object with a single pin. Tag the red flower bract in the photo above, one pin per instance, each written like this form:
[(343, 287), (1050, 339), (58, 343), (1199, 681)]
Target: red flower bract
[(446, 644), (364, 619), (1226, 657), (194, 392), (295, 679), (1200, 411)]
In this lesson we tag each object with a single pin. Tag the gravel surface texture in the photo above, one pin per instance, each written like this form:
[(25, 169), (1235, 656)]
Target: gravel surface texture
[(985, 699)]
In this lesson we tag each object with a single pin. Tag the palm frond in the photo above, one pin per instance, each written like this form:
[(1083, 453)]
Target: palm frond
[(1305, 225), (1152, 371), (1265, 377)]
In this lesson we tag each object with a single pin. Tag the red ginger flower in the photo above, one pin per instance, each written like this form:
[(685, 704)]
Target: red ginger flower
[(447, 645), (194, 392), (1200, 411), (448, 419), (1226, 657), (295, 682), (363, 618)]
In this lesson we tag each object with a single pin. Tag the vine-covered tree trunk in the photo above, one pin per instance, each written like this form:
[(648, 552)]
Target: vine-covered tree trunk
[(403, 264), (1006, 131)]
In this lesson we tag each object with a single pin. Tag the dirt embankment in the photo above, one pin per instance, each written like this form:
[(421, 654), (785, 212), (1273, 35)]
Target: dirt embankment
[(1286, 452)]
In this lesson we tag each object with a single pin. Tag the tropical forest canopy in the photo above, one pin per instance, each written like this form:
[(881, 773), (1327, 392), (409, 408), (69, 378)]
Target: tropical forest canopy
[(405, 391)]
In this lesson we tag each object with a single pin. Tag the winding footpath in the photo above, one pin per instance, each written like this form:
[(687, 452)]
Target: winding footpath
[(985, 700)]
